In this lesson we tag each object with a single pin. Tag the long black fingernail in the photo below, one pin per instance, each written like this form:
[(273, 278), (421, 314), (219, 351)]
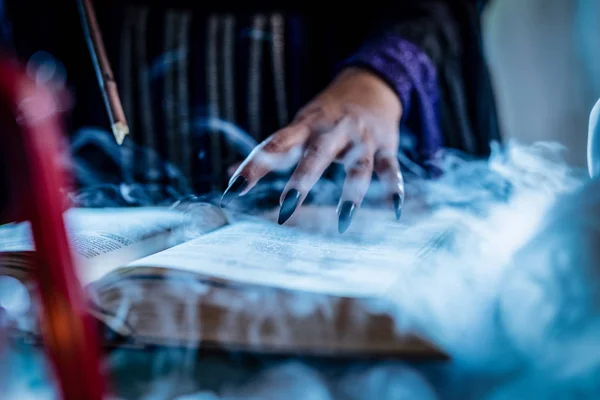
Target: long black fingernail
[(292, 198), (234, 189), (398, 206), (346, 213)]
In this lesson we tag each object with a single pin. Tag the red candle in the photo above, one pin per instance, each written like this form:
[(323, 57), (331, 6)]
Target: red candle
[(29, 141)]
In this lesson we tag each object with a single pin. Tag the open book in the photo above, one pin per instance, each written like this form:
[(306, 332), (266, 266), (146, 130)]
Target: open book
[(207, 279)]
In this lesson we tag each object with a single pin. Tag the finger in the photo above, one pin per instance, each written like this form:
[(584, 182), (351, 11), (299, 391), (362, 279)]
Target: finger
[(276, 152), (359, 172), (320, 152), (388, 171)]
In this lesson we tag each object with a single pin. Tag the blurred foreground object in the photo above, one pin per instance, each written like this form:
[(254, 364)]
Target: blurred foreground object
[(104, 74), (550, 303), (593, 148), (29, 142)]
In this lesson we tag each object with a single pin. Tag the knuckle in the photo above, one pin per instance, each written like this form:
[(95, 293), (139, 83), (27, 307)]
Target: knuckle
[(387, 164), (364, 162), (318, 148), (368, 135), (274, 144), (361, 166)]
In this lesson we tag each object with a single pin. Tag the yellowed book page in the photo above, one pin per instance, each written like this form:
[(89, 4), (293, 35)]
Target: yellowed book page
[(105, 238), (262, 252)]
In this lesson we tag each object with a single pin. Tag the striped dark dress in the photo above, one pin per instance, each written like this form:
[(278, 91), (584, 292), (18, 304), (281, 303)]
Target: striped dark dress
[(201, 84)]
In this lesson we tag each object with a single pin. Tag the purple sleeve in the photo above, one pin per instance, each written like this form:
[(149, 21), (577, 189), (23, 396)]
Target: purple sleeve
[(412, 75)]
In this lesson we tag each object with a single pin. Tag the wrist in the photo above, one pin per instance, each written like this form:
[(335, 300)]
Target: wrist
[(368, 90)]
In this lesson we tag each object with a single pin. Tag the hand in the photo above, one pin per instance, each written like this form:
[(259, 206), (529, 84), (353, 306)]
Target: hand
[(354, 121)]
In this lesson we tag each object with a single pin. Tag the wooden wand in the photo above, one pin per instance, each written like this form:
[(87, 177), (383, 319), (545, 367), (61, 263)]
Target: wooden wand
[(106, 79)]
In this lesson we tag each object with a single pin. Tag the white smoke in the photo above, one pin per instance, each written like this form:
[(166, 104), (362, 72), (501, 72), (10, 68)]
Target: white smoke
[(512, 312), (515, 300)]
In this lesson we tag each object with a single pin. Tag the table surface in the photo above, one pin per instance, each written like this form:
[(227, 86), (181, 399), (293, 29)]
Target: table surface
[(186, 375)]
